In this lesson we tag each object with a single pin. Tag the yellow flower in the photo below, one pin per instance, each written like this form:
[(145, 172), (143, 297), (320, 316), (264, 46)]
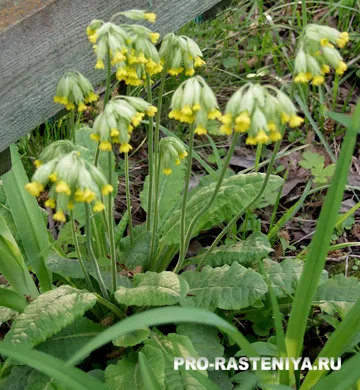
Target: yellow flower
[(151, 17), (301, 78), (275, 136), (88, 196), (318, 80), (284, 118), (251, 141), (98, 207), (59, 216), (92, 97), (82, 107), (90, 31), (186, 110), (295, 121), (114, 132), (226, 129), (70, 106), (105, 146), (63, 187), (242, 122), (341, 68), (175, 71), (93, 38), (215, 114), (198, 62), (99, 64), (183, 154), (95, 137), (125, 148), (190, 72), (154, 37), (175, 114), (325, 69), (50, 203), (106, 189), (262, 137), (272, 126), (197, 107), (151, 111), (37, 163), (200, 130), (53, 177), (167, 171), (343, 40), (325, 42), (34, 188), (226, 119)]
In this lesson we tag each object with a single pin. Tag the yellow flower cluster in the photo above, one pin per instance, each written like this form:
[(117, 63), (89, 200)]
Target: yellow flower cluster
[(115, 125), (70, 180), (172, 151), (181, 54), (131, 47), (317, 54), (74, 90), (259, 111), (194, 103)]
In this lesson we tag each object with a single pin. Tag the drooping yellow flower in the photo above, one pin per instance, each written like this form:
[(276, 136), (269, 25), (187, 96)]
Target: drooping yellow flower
[(107, 189), (200, 130), (340, 70), (50, 203), (318, 80), (151, 17), (59, 216), (167, 171), (105, 146), (99, 206), (63, 187), (125, 148), (34, 188), (242, 122)]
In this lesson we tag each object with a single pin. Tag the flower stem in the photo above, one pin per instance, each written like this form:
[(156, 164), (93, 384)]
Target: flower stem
[(111, 226), (213, 196), (110, 306), (106, 100), (79, 255), (183, 207), (92, 254), (128, 202), (72, 126), (243, 210), (150, 157)]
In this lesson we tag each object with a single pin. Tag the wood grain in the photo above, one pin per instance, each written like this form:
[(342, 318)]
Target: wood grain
[(36, 50)]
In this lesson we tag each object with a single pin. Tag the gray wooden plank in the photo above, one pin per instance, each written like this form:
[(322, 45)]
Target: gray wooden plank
[(36, 51)]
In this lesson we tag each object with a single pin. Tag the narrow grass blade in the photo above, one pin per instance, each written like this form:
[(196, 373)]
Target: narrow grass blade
[(55, 368), (28, 219), (320, 244), (340, 339)]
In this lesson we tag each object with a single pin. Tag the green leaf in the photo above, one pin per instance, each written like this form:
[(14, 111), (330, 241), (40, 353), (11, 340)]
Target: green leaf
[(230, 62), (171, 346), (234, 193), (70, 269), (204, 338), (28, 219), (311, 160), (126, 373), (263, 349), (246, 252), (12, 300), (338, 294), (39, 381), (65, 343), (153, 289), (17, 379), (7, 314), (51, 366), (147, 373), (170, 188), (48, 314), (136, 254), (12, 264), (132, 338), (228, 287), (285, 276), (344, 119)]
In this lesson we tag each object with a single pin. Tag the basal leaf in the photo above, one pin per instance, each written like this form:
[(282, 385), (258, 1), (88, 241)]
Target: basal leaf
[(65, 343), (153, 289), (204, 338), (132, 338), (235, 193), (255, 247), (17, 379), (49, 314), (228, 287), (338, 294), (126, 373), (7, 314)]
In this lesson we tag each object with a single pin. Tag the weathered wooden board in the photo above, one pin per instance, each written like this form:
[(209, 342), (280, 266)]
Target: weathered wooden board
[(40, 39)]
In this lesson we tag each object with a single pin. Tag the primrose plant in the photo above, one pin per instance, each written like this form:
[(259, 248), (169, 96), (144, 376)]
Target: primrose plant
[(110, 276)]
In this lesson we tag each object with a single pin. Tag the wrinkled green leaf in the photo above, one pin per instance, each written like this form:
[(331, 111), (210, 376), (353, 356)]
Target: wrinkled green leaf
[(228, 287)]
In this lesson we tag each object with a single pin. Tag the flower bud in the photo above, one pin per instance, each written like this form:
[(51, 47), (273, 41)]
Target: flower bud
[(172, 151)]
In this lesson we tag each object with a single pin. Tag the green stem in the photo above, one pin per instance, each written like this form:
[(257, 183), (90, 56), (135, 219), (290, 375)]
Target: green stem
[(128, 202), (79, 255), (111, 226), (72, 126), (91, 252), (213, 196), (183, 207), (110, 306), (150, 157), (106, 99), (320, 244), (244, 209)]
